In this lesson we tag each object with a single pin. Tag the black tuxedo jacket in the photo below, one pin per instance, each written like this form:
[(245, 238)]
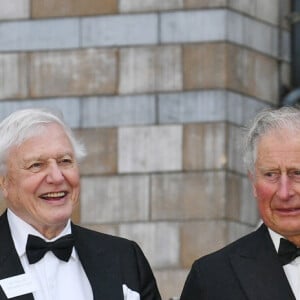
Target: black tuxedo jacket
[(108, 262), (247, 269)]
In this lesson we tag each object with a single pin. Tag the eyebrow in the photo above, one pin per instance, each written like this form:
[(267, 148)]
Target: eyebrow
[(42, 157)]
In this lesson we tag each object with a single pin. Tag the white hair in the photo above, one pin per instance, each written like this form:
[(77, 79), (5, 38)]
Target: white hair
[(26, 123), (265, 121)]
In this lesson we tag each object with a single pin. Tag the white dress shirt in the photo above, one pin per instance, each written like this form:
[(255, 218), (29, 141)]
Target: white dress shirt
[(54, 279), (292, 270)]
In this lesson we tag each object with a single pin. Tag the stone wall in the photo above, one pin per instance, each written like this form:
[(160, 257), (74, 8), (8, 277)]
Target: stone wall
[(158, 91)]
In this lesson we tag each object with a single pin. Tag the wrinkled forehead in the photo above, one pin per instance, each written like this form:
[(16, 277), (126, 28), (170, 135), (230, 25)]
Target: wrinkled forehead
[(283, 140), (51, 140), (33, 131)]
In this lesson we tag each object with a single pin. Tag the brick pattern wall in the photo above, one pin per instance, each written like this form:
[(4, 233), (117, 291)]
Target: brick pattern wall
[(158, 91)]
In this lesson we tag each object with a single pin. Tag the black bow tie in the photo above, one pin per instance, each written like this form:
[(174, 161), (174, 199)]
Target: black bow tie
[(287, 251), (36, 248)]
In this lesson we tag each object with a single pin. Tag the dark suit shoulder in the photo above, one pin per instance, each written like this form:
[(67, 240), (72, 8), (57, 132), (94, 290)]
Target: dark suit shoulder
[(247, 245), (123, 259), (214, 277), (106, 240)]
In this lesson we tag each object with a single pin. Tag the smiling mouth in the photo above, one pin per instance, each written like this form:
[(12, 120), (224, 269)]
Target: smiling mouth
[(288, 210), (54, 195)]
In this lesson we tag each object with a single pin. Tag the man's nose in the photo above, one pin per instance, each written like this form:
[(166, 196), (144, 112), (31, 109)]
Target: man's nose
[(285, 188), (54, 173)]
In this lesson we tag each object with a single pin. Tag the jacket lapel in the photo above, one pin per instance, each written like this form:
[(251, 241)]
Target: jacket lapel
[(259, 271), (10, 264), (101, 268)]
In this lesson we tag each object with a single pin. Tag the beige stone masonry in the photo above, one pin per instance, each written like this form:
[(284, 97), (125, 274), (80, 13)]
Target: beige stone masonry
[(265, 10), (150, 69), (149, 5), (220, 65), (201, 237), (14, 9), (114, 199), (241, 205), (150, 149), (187, 196), (204, 66), (204, 3), (204, 146), (66, 73), (69, 8), (13, 75), (153, 238), (101, 145)]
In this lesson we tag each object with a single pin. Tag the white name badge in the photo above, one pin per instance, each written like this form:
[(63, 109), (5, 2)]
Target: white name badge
[(18, 285)]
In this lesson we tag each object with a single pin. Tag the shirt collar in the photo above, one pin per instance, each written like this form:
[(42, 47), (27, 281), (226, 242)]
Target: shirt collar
[(275, 238), (20, 230)]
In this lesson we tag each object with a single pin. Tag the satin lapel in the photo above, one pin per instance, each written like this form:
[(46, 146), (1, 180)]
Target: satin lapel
[(10, 264), (257, 267), (101, 268)]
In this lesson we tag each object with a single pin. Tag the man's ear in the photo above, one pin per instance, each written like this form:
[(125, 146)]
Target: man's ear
[(251, 177), (3, 182)]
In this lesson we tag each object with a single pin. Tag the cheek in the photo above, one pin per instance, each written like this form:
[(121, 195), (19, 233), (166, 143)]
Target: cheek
[(263, 193), (26, 187), (73, 179)]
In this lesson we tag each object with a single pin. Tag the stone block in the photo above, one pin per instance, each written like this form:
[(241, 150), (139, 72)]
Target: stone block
[(39, 35), (150, 149), (285, 74), (193, 26), (204, 3), (149, 5), (204, 146), (14, 9), (150, 69), (101, 146), (253, 74), (241, 206), (81, 72), (241, 109), (153, 238), (285, 46), (71, 8), (188, 107), (285, 8), (199, 238), (219, 25), (239, 69), (118, 111), (265, 10), (243, 30), (13, 76), (205, 66), (119, 30), (213, 235), (188, 196), (69, 107), (120, 199), (170, 282), (234, 151)]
